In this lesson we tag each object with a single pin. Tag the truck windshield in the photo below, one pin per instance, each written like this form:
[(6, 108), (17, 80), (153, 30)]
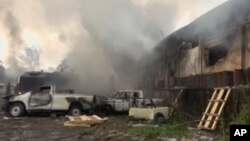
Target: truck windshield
[(119, 95), (115, 95), (45, 89)]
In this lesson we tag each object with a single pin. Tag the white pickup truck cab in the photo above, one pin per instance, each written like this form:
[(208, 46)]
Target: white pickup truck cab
[(123, 100), (45, 99)]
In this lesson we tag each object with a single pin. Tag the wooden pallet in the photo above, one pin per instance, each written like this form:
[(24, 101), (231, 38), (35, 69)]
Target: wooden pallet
[(84, 121), (214, 109)]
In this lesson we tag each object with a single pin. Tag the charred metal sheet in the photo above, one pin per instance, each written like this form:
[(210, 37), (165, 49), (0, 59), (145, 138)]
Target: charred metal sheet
[(208, 80), (71, 99), (238, 77)]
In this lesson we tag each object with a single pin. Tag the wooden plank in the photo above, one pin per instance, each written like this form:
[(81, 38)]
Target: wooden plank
[(201, 127), (217, 101), (70, 124), (71, 118), (83, 121), (97, 117), (208, 107), (220, 88), (74, 119), (208, 114), (221, 108), (86, 119), (214, 107), (212, 120)]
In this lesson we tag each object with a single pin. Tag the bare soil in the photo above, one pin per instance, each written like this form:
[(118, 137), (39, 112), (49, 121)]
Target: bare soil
[(50, 128)]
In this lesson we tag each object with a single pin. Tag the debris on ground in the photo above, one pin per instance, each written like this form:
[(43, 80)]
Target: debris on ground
[(143, 125), (6, 118), (167, 139), (84, 121)]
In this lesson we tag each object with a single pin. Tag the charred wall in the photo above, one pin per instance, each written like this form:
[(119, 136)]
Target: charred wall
[(212, 51), (222, 51), (199, 57)]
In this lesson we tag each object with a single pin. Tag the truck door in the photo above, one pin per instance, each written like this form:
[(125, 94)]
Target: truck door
[(134, 99), (41, 99), (126, 102), (119, 101)]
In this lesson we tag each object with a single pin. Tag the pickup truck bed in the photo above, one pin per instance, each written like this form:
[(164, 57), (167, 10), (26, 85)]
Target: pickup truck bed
[(149, 113)]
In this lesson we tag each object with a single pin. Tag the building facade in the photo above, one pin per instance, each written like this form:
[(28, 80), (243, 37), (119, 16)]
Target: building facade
[(212, 51)]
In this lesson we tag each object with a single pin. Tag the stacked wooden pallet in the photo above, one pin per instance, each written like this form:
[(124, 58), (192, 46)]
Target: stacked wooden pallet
[(84, 121), (214, 109)]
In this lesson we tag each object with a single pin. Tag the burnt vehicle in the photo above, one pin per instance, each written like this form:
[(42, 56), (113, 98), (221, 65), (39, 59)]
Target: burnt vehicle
[(123, 100), (35, 79), (46, 99)]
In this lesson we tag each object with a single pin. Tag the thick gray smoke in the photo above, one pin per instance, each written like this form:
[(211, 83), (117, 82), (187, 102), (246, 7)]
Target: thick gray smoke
[(103, 39), (31, 58), (21, 58), (15, 43), (118, 36)]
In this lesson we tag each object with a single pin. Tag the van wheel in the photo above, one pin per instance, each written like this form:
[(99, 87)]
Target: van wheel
[(16, 110), (159, 119), (75, 110)]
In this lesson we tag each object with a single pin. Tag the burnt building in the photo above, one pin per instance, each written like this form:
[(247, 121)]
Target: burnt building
[(212, 51)]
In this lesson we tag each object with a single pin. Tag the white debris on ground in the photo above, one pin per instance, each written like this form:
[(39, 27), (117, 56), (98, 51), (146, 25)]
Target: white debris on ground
[(84, 121)]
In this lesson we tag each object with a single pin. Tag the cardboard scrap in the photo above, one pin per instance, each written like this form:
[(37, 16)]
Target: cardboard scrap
[(84, 121)]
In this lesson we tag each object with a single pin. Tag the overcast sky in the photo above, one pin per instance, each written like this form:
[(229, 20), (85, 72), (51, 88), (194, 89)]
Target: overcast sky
[(45, 23)]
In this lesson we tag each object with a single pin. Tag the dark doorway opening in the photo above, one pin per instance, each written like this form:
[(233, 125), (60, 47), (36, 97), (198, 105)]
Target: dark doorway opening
[(214, 54)]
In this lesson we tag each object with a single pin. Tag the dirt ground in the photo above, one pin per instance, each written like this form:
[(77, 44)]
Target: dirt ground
[(50, 128)]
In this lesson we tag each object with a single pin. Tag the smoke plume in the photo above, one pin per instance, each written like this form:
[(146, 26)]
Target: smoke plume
[(100, 41), (15, 43)]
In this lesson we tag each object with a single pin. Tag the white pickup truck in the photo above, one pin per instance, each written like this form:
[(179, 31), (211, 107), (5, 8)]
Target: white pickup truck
[(45, 99), (123, 100)]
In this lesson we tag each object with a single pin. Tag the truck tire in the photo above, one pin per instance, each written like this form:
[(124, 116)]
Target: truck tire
[(75, 110), (108, 110), (159, 119), (16, 110)]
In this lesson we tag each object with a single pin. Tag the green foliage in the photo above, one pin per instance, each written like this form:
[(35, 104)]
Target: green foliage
[(244, 115), (242, 118), (166, 130), (224, 138), (174, 128), (224, 129)]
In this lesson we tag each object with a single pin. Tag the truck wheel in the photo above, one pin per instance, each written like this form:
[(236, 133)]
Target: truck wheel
[(108, 110), (159, 119), (16, 110), (75, 110)]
